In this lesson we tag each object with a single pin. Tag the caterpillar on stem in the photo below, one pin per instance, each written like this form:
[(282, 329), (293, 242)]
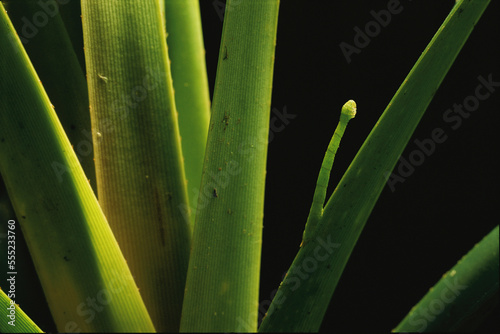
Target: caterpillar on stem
[(348, 112)]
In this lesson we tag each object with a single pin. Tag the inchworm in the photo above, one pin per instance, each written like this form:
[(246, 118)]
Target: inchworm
[(348, 112)]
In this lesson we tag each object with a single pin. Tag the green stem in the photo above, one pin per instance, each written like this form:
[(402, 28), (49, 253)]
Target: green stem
[(187, 53), (74, 251), (460, 300), (222, 287), (303, 297), (140, 174), (347, 113)]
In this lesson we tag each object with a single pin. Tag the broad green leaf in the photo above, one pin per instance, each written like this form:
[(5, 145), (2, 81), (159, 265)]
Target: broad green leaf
[(140, 174), (222, 287), (75, 253)]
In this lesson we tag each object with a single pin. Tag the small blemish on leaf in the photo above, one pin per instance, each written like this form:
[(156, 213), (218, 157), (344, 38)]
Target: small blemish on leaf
[(225, 120), (103, 78), (225, 56)]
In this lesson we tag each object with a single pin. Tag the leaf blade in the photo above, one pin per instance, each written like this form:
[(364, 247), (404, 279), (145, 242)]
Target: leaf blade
[(189, 74), (21, 323), (223, 279), (461, 294), (72, 246), (140, 174)]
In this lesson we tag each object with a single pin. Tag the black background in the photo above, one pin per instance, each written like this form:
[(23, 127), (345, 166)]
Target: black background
[(419, 231), (416, 233)]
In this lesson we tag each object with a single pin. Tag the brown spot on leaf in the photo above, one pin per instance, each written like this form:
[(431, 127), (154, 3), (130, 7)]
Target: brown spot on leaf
[(159, 214)]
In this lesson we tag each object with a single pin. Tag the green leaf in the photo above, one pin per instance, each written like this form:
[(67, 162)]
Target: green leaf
[(461, 299), (140, 175), (47, 45), (303, 297), (71, 15), (187, 53), (222, 287), (76, 256), (14, 320)]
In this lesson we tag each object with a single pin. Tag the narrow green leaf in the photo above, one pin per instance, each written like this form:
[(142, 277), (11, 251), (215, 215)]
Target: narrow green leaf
[(305, 293), (187, 53), (70, 11), (77, 258), (140, 174), (222, 287), (14, 320), (26, 275), (44, 37), (460, 300), (20, 256)]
